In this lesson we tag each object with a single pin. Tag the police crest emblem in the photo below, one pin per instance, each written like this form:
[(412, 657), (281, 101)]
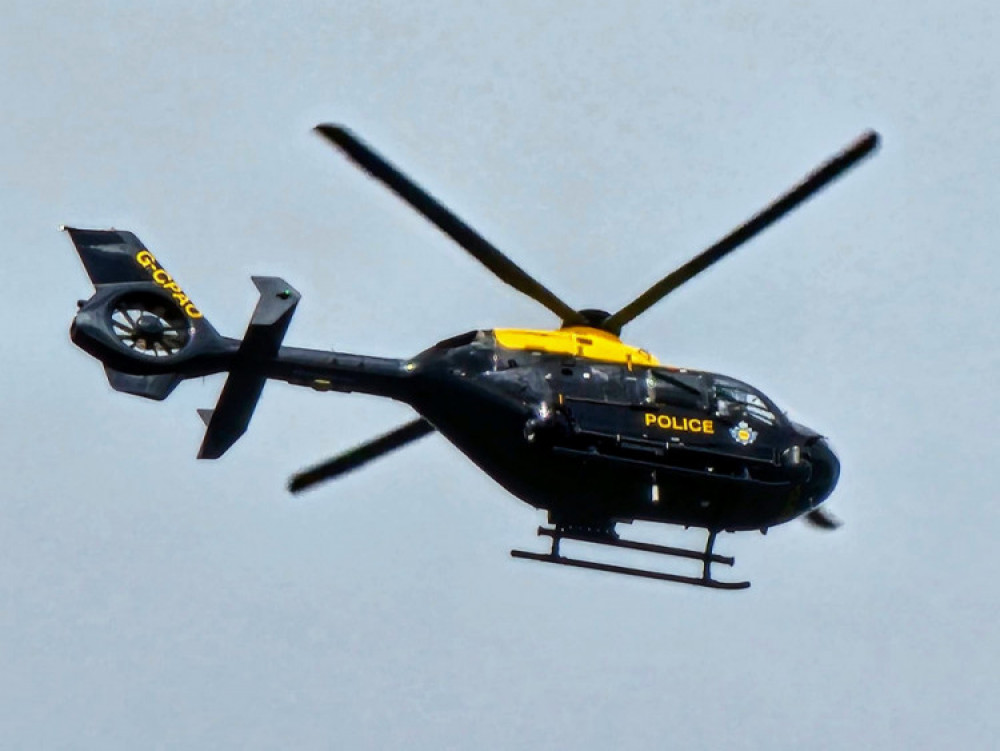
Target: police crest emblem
[(743, 434)]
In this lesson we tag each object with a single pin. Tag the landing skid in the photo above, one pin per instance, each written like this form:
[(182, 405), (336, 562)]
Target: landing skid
[(707, 557)]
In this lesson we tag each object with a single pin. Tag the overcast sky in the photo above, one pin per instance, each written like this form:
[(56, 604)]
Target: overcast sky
[(153, 601)]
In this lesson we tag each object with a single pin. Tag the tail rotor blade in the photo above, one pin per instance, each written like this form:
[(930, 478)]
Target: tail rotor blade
[(814, 182), (442, 218), (360, 455)]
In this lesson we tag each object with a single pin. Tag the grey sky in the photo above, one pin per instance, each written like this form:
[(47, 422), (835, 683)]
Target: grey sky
[(152, 601)]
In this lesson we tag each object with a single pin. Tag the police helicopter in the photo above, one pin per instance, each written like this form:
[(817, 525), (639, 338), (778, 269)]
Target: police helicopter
[(570, 420)]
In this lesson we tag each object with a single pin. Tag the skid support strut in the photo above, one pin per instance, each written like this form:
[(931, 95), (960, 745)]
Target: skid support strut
[(707, 557)]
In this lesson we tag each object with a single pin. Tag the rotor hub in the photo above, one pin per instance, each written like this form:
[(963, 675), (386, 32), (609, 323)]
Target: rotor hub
[(594, 318), (149, 325)]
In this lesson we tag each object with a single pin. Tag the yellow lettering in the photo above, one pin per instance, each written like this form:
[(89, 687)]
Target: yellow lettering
[(681, 424), (160, 277)]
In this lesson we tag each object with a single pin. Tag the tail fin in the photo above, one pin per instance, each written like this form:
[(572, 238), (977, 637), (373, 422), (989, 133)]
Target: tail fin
[(111, 256), (119, 257)]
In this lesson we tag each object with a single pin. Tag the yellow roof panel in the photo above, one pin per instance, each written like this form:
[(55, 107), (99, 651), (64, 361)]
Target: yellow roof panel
[(577, 341)]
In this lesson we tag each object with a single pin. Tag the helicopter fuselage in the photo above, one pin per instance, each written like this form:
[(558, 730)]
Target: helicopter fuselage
[(599, 441)]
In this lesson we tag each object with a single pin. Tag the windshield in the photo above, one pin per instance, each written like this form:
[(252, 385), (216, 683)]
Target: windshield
[(735, 399)]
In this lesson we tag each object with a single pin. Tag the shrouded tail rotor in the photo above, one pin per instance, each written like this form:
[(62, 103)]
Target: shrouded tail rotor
[(150, 325), (139, 322)]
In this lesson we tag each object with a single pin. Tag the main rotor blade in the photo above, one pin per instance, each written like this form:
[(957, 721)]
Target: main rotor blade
[(822, 519), (815, 181), (433, 210), (360, 455)]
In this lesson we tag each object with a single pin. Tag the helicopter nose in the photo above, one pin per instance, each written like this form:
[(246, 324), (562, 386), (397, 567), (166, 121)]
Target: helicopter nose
[(825, 471)]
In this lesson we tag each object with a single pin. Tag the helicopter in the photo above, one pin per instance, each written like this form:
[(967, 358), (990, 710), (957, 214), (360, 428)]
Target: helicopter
[(570, 420)]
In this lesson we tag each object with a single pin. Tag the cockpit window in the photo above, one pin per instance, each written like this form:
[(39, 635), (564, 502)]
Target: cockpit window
[(733, 398), (678, 388), (594, 381)]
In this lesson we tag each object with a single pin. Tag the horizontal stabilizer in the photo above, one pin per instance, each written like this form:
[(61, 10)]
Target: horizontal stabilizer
[(205, 415), (231, 416)]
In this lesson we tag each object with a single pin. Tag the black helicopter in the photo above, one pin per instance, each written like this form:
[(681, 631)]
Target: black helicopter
[(572, 420)]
